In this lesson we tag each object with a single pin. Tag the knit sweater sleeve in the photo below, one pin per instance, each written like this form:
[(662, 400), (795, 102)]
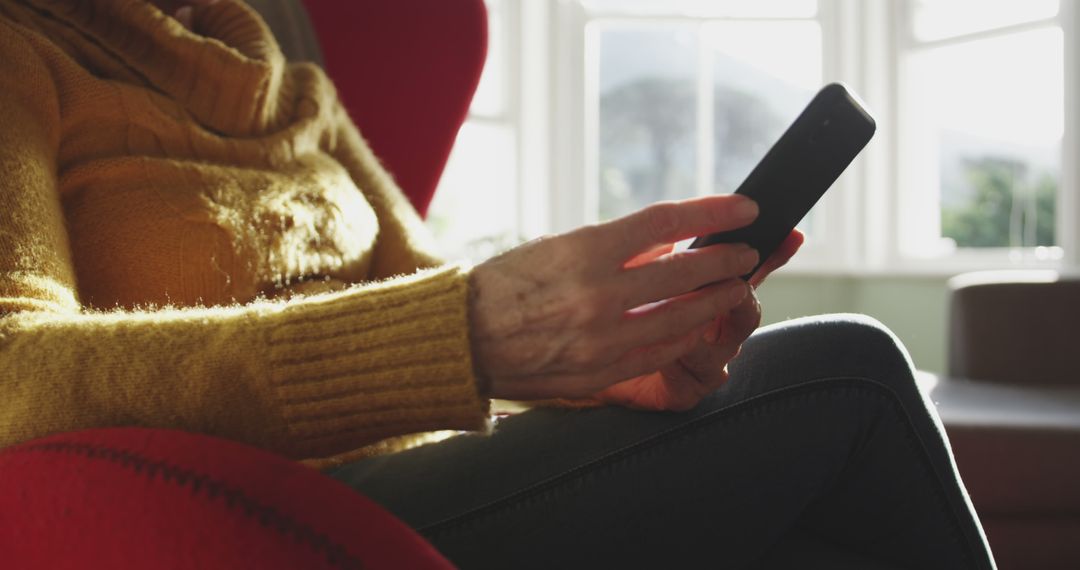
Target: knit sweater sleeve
[(309, 378)]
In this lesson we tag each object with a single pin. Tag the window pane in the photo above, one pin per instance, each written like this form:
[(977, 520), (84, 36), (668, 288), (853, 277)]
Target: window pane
[(474, 212), (986, 120), (710, 8), (764, 74), (647, 116), (937, 19), (490, 97)]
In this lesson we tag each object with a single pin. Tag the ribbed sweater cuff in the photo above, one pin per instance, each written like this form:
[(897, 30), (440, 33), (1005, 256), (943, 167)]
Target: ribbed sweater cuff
[(377, 361)]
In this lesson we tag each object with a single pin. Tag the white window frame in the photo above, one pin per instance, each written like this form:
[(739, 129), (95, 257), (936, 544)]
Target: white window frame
[(890, 177), (549, 88), (574, 150), (1068, 221), (862, 43), (526, 85), (523, 111)]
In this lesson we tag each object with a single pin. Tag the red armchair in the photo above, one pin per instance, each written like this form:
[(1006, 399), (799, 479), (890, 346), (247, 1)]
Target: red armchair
[(425, 56), (406, 71)]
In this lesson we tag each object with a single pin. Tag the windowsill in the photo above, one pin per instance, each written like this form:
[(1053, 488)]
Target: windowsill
[(913, 270)]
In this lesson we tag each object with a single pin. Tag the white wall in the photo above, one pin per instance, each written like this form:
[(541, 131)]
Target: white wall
[(914, 307)]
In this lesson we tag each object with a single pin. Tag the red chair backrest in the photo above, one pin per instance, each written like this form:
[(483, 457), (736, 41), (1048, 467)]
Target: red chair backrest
[(155, 498), (406, 70)]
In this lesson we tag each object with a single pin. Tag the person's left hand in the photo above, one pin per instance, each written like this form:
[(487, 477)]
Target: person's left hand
[(681, 385)]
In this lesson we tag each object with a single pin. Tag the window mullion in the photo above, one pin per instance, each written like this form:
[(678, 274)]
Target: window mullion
[(879, 37), (917, 226), (706, 147), (572, 107), (1068, 214), (916, 44), (832, 221), (534, 81)]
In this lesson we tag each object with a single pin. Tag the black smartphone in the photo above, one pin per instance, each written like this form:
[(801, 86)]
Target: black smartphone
[(799, 168)]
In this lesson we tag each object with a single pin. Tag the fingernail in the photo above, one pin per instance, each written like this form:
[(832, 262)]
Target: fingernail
[(746, 209), (748, 259), (737, 293)]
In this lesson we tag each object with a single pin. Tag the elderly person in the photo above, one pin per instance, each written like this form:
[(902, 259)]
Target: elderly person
[(195, 236)]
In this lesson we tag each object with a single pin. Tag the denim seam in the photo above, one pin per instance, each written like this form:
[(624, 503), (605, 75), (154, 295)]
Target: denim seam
[(917, 445), (530, 494), (926, 466)]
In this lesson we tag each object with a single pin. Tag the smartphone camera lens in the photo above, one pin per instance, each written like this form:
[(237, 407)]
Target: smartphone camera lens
[(820, 132)]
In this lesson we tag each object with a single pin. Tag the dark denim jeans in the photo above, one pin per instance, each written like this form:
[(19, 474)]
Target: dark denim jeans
[(819, 453)]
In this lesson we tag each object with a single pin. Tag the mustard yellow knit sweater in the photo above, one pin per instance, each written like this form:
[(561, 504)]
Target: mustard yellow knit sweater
[(159, 190)]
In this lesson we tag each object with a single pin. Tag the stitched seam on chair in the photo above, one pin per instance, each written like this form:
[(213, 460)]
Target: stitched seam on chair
[(208, 488), (533, 492)]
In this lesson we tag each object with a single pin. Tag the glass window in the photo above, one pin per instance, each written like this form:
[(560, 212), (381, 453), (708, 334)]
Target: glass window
[(985, 122), (684, 97), (648, 101), (709, 8), (474, 211), (490, 98), (940, 19), (764, 73), (689, 108)]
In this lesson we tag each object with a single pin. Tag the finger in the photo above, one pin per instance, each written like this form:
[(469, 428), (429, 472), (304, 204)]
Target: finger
[(712, 334), (649, 359), (779, 258), (658, 325), (688, 270), (746, 316), (650, 255), (702, 369), (683, 389), (601, 344), (740, 323), (670, 222), (707, 362), (705, 384), (659, 321), (610, 383)]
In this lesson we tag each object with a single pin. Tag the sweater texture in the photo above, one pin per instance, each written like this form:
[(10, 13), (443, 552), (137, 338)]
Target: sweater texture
[(194, 235)]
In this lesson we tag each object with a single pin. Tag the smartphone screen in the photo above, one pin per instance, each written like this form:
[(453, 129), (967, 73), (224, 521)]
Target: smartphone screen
[(799, 168)]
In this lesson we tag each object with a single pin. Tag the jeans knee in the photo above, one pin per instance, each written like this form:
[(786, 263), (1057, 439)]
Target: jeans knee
[(866, 338), (839, 345), (859, 335)]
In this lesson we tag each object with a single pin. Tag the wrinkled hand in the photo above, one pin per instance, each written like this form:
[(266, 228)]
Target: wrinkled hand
[(682, 384), (570, 315)]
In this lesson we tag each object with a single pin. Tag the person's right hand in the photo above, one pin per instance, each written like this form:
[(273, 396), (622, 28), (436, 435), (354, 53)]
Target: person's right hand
[(569, 315)]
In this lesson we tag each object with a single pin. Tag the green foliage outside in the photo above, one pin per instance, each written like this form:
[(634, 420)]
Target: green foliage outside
[(1006, 210), (648, 152)]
